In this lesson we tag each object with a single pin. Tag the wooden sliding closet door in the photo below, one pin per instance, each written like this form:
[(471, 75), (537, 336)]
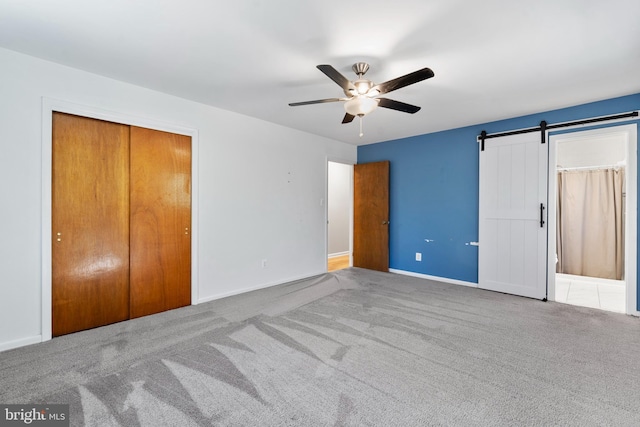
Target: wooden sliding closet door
[(121, 222), (90, 223), (160, 221)]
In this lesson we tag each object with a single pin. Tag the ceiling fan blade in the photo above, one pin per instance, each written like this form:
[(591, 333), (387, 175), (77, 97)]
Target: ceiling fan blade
[(406, 80), (317, 101), (348, 118), (335, 75), (397, 105)]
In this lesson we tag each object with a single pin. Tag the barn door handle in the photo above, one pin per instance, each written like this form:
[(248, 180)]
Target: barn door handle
[(541, 215)]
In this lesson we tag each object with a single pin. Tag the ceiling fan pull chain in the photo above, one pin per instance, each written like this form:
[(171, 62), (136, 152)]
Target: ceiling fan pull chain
[(361, 127)]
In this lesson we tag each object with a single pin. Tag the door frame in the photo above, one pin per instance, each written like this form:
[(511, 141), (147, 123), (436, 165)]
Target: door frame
[(49, 105), (326, 207), (631, 190)]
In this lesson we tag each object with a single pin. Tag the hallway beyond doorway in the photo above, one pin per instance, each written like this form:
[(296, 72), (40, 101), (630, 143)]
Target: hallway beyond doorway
[(338, 262)]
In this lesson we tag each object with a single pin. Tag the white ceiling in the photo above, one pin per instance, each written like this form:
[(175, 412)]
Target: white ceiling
[(493, 59)]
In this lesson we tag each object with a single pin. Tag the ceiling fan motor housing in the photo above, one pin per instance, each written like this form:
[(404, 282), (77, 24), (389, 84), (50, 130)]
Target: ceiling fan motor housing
[(362, 86)]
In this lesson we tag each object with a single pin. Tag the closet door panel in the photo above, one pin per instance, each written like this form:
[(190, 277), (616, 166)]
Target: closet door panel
[(160, 262), (90, 223)]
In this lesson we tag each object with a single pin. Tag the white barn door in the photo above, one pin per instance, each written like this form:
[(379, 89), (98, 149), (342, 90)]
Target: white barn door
[(512, 253)]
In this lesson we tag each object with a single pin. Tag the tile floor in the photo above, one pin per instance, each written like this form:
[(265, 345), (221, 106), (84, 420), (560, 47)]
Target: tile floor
[(591, 292)]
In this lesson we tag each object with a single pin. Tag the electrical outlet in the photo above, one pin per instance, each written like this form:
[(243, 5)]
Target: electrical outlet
[(418, 256), (264, 263)]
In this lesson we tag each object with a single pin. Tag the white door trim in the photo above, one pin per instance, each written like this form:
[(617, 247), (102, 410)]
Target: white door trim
[(630, 134), (49, 105)]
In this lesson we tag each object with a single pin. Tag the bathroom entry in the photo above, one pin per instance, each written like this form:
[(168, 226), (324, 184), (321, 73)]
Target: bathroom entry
[(589, 188)]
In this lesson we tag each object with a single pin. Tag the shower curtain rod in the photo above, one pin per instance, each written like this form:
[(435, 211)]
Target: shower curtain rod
[(544, 126), (585, 168)]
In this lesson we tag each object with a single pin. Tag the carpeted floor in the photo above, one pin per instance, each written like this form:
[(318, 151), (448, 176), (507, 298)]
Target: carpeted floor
[(354, 347)]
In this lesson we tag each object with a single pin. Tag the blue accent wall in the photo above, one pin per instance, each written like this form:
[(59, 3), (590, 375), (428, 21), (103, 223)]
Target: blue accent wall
[(434, 189)]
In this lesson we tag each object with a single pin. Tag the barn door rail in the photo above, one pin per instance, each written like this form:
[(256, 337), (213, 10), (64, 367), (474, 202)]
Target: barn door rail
[(544, 126)]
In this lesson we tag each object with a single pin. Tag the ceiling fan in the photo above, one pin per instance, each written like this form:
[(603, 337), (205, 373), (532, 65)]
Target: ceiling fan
[(362, 95)]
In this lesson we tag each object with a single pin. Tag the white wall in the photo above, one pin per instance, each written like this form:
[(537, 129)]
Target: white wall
[(260, 195), (339, 206), (593, 151)]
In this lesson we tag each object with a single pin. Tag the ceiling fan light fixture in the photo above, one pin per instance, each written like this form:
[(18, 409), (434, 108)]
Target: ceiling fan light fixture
[(360, 105), (362, 86)]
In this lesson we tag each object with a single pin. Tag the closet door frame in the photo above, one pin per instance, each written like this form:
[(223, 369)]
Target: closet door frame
[(49, 106)]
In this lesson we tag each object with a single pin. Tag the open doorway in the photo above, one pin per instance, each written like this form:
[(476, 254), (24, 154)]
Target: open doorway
[(339, 215), (592, 204)]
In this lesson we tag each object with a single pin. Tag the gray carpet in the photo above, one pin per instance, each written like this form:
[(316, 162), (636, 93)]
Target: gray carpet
[(352, 348)]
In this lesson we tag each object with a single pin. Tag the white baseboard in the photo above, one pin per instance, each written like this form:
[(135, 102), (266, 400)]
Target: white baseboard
[(255, 288), (20, 343), (434, 278), (337, 254), (456, 282)]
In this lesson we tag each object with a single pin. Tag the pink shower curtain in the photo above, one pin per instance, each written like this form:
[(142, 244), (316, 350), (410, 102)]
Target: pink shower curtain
[(590, 228)]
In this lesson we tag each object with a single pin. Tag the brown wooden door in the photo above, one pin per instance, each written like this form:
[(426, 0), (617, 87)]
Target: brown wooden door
[(160, 221), (371, 216), (90, 223)]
